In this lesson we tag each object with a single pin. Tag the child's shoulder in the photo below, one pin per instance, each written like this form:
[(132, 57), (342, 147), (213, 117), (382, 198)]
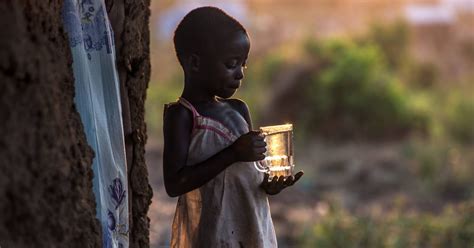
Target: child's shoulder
[(241, 107), (172, 105), (176, 112), (237, 104)]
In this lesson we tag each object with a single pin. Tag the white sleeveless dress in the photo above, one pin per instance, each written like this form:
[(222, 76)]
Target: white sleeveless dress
[(230, 210)]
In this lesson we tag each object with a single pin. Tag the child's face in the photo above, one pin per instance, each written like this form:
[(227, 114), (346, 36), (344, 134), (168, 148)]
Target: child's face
[(223, 70)]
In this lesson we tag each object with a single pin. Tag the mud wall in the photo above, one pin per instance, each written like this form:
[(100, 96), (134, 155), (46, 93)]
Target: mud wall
[(130, 22), (46, 197)]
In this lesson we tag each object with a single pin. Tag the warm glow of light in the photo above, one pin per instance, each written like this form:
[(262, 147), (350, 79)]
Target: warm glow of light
[(280, 168), (276, 157), (276, 129)]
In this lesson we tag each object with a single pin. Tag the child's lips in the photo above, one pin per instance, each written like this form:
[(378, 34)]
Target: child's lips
[(234, 86)]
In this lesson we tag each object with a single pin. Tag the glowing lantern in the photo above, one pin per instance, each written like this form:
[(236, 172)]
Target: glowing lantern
[(279, 155)]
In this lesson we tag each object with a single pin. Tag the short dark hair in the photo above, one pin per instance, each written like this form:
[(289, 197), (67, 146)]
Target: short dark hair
[(202, 28)]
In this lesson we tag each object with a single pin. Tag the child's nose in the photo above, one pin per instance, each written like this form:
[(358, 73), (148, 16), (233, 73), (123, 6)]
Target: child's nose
[(239, 74)]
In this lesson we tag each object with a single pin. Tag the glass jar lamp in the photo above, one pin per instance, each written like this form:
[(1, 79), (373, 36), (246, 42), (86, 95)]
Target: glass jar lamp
[(279, 155)]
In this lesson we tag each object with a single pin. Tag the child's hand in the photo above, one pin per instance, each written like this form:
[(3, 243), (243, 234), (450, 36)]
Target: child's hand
[(276, 185), (249, 147)]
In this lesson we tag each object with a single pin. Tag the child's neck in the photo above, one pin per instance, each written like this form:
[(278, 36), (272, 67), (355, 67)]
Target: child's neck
[(196, 96)]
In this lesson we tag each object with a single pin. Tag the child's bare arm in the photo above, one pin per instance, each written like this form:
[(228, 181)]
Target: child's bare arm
[(178, 177)]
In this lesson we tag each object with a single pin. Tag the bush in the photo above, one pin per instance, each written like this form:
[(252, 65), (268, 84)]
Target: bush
[(353, 95), (460, 119), (392, 40), (421, 75)]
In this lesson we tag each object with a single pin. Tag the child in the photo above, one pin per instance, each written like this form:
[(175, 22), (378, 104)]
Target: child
[(209, 149)]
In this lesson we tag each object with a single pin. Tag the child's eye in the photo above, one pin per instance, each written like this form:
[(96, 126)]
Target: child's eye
[(232, 64)]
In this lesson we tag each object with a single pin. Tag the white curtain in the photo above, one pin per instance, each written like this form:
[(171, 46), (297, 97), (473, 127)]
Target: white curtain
[(98, 101)]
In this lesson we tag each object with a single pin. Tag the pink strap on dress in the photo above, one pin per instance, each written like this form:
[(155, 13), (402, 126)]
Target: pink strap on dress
[(200, 125), (189, 106)]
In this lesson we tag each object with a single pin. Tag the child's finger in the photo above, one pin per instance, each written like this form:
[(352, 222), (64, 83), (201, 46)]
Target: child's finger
[(265, 177), (260, 157), (260, 150), (298, 176), (258, 138), (260, 143), (281, 181), (289, 181), (273, 185), (255, 133), (274, 180)]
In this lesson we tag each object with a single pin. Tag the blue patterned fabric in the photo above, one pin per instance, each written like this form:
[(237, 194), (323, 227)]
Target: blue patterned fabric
[(98, 103)]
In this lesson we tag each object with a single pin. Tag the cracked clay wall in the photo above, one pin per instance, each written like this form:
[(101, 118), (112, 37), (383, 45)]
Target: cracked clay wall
[(46, 197), (130, 22)]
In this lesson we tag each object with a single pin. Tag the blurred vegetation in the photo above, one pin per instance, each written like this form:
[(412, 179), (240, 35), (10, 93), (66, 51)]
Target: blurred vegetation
[(365, 88), (353, 94), (443, 168), (393, 40), (453, 227), (459, 117), (159, 94)]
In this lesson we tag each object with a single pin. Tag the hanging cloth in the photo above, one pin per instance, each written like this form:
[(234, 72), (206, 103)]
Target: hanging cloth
[(97, 98)]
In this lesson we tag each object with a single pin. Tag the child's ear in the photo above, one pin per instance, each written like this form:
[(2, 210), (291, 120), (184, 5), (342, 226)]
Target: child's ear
[(194, 62)]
